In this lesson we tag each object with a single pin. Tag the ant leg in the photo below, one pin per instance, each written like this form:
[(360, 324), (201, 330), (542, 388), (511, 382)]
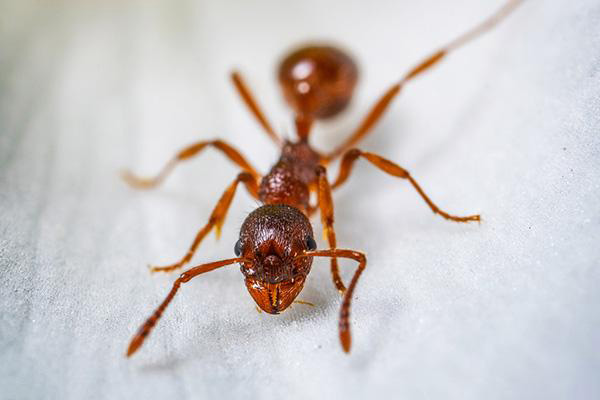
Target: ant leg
[(344, 324), (326, 206), (248, 98), (216, 220), (384, 101), (184, 154), (147, 327), (394, 170)]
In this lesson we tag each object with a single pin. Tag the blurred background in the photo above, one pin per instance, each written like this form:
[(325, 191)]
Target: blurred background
[(507, 127)]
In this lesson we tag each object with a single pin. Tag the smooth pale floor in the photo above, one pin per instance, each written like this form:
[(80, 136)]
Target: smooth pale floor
[(508, 126)]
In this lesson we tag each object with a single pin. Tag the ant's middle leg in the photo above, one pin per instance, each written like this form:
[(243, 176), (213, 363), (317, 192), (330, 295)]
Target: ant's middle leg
[(187, 153), (216, 220), (326, 206), (395, 170)]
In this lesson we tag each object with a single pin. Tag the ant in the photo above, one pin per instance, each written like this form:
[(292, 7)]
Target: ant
[(276, 244)]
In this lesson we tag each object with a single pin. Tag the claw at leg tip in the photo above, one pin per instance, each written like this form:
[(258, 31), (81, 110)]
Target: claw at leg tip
[(346, 341), (133, 346)]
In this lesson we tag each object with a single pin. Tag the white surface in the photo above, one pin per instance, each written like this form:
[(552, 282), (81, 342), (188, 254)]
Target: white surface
[(508, 126)]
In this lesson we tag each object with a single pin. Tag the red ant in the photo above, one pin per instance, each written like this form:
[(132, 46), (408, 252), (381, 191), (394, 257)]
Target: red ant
[(276, 245)]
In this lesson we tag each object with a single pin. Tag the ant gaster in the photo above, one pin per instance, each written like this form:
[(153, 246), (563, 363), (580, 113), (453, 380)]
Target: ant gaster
[(276, 245)]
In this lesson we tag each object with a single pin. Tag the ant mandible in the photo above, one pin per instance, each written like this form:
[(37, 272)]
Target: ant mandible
[(276, 245)]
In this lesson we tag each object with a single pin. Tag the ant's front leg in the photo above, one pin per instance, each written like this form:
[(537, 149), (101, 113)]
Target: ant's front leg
[(216, 220), (147, 326), (185, 154), (395, 170), (344, 321)]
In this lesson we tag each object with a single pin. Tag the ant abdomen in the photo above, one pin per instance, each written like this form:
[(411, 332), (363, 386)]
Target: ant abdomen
[(318, 81)]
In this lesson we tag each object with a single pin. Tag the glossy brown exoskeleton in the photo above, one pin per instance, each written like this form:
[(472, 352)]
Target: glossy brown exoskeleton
[(276, 245)]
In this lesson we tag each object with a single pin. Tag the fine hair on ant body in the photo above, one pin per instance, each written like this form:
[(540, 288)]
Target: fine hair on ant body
[(276, 244)]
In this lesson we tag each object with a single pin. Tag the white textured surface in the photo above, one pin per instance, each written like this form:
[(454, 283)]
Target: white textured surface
[(508, 126)]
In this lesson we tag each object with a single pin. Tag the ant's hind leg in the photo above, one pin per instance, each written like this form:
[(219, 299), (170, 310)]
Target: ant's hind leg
[(326, 206), (253, 106), (187, 153), (395, 170), (433, 59), (216, 220)]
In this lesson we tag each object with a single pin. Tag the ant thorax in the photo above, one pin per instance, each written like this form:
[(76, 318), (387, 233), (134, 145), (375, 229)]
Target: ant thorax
[(289, 179)]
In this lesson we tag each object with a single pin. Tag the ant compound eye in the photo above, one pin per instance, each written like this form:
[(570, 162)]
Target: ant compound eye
[(237, 249), (310, 243)]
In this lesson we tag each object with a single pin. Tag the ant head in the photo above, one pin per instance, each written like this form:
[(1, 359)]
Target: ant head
[(271, 238), (318, 81)]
